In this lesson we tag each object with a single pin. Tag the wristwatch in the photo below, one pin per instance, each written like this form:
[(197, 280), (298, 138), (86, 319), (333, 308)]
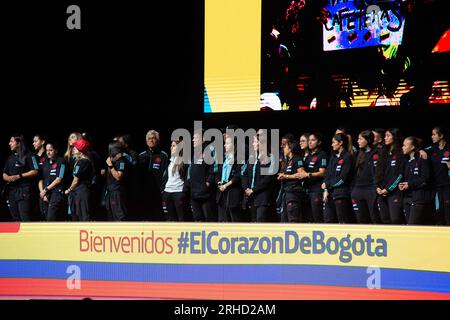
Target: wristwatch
[(309, 175)]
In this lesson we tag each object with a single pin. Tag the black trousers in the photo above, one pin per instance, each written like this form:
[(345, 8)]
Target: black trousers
[(20, 203), (202, 210), (230, 214), (55, 208), (390, 207), (416, 213), (264, 213), (338, 211), (364, 201), (293, 208), (80, 203), (441, 198), (174, 206), (315, 199), (116, 205)]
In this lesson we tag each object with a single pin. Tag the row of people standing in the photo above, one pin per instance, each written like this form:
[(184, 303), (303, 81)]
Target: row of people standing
[(389, 180), (395, 182)]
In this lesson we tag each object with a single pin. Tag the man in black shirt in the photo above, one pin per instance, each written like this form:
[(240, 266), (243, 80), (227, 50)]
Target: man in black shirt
[(152, 166)]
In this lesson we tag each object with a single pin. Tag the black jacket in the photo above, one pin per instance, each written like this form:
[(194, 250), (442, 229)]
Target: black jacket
[(264, 186), (198, 174), (364, 175), (338, 175), (439, 170), (392, 174), (152, 166), (417, 174), (233, 195)]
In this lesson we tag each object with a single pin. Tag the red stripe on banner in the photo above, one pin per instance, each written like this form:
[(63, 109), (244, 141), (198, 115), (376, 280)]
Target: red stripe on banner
[(20, 287), (9, 227)]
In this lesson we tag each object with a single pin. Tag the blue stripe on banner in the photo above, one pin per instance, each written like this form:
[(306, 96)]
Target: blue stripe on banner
[(268, 274)]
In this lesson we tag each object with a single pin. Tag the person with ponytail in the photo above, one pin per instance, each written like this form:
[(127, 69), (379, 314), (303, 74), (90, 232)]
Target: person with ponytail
[(416, 186), (20, 171), (388, 174), (337, 180), (229, 186), (79, 191), (291, 184), (52, 185), (69, 154), (313, 173), (439, 155), (173, 197), (364, 195)]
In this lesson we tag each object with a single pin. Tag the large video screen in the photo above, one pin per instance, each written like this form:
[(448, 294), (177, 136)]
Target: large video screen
[(263, 55)]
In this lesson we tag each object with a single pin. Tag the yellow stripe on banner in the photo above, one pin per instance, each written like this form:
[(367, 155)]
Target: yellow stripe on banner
[(232, 54), (418, 248)]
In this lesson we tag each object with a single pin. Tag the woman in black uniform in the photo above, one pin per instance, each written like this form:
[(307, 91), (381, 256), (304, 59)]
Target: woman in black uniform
[(39, 142), (52, 185), (69, 156), (314, 168), (415, 186), (228, 179), (199, 183), (388, 174), (79, 191), (304, 145), (364, 195), (116, 193), (293, 191), (439, 155), (20, 171), (337, 180), (261, 189)]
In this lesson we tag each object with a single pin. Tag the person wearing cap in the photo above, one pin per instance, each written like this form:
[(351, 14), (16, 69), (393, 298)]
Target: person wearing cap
[(116, 187), (79, 191), (20, 171), (152, 164)]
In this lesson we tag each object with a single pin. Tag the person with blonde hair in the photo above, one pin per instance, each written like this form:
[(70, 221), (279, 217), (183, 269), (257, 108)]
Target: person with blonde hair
[(68, 156), (79, 191)]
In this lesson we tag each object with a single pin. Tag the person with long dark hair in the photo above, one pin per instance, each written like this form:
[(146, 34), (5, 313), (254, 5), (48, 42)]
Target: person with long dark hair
[(304, 145), (364, 195), (20, 171), (314, 167), (79, 191), (52, 184), (199, 183), (439, 154), (337, 180), (174, 199), (228, 178), (388, 174), (291, 184), (39, 142), (260, 189), (378, 137), (416, 186)]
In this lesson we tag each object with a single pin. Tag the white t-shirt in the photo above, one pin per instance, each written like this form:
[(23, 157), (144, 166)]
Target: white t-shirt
[(174, 181)]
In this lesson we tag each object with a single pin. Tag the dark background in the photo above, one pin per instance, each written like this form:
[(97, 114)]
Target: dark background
[(132, 67)]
